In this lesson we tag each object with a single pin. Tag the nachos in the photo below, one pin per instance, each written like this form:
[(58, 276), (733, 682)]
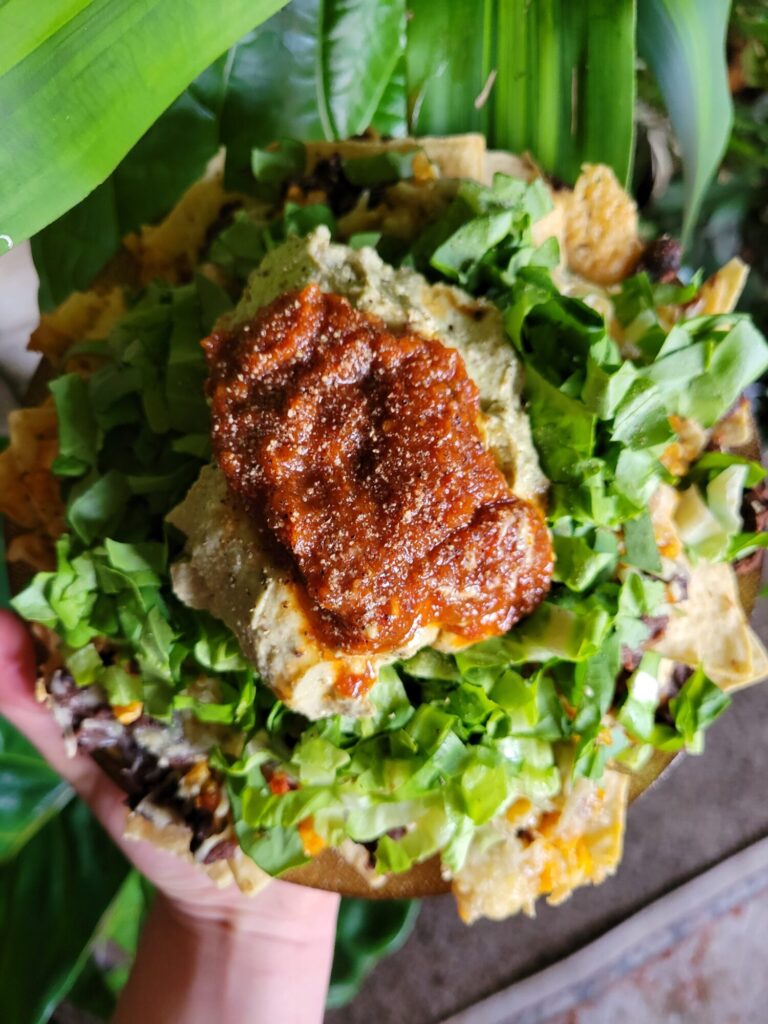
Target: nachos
[(389, 517)]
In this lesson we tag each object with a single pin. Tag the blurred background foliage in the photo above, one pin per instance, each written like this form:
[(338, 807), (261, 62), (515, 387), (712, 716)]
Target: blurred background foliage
[(734, 212), (547, 76), (733, 218)]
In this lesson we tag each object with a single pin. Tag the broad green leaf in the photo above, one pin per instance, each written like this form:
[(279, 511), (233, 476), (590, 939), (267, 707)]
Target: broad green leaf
[(52, 897), (31, 793), (391, 117), (361, 42), (449, 58), (545, 77), (257, 109), (113, 949), (69, 252), (565, 88), (73, 103), (343, 79), (683, 43), (340, 58)]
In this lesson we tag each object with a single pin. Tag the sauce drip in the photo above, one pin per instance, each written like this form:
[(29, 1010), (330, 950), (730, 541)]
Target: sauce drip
[(359, 448)]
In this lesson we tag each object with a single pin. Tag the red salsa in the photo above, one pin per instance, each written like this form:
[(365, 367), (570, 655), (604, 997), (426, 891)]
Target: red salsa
[(359, 448)]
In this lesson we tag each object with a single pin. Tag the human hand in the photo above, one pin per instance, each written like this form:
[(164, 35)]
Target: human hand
[(206, 953)]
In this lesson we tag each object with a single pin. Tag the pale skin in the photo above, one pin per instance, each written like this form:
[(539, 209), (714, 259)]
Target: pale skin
[(206, 954)]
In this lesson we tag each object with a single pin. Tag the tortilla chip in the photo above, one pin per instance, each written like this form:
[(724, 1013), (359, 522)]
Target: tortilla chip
[(499, 162), (721, 292), (457, 156), (690, 442), (174, 837), (601, 227), (737, 428), (82, 316), (171, 249), (710, 628), (29, 493)]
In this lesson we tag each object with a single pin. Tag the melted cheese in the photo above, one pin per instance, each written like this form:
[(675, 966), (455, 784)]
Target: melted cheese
[(512, 862)]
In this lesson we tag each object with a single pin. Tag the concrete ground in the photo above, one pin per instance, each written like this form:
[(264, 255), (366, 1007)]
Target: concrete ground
[(696, 956), (717, 975)]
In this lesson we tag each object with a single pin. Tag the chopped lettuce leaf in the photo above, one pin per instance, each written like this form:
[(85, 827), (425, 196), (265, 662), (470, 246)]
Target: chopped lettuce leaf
[(710, 464), (577, 564), (697, 705), (638, 712), (738, 359), (724, 495), (744, 544), (380, 169), (274, 166), (640, 544), (275, 849), (77, 426)]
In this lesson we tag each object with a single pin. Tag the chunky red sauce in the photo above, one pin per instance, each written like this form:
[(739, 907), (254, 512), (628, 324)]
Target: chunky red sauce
[(359, 448)]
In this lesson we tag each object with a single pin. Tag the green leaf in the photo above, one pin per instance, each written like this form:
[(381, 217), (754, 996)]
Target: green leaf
[(563, 428), (85, 664), (31, 793), (565, 71), (366, 931), (577, 565), (272, 167), (343, 77), (738, 359), (712, 463), (98, 505), (448, 59), (391, 117), (697, 705), (122, 688), (65, 73), (69, 252), (77, 428), (640, 542), (275, 850), (470, 242), (32, 602), (544, 77), (379, 169), (145, 562), (360, 45), (154, 647), (113, 949), (483, 789), (683, 43), (744, 544), (52, 897), (638, 710)]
